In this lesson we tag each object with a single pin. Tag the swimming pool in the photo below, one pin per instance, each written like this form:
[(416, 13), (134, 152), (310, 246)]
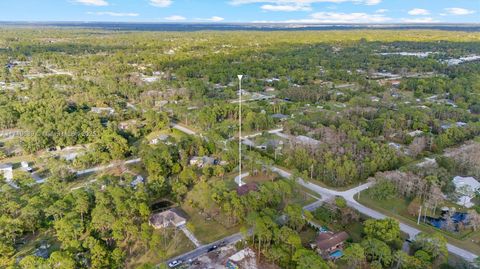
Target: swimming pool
[(336, 254)]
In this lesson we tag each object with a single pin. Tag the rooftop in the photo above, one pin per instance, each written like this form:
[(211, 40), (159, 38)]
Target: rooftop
[(328, 240), (466, 181), (166, 218)]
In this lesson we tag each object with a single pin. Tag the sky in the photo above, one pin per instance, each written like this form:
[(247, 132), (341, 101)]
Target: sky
[(244, 11)]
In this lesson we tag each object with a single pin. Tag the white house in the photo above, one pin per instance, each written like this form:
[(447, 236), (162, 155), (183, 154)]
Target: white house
[(160, 138), (415, 133), (466, 188), (202, 161), (138, 180), (7, 170), (101, 110), (167, 218)]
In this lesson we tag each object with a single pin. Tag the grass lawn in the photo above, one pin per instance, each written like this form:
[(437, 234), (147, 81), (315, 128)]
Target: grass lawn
[(396, 208), (176, 245), (258, 178), (171, 132), (207, 230)]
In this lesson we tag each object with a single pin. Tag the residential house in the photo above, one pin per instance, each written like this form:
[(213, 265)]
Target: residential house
[(125, 125), (203, 161), (329, 244), (166, 219), (43, 251), (415, 133), (305, 140), (280, 117), (101, 110), (271, 144), (457, 124), (395, 145), (138, 180), (245, 258), (160, 138), (466, 188), (26, 167), (7, 170)]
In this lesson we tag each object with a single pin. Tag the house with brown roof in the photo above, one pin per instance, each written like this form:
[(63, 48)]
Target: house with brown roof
[(166, 219), (328, 243)]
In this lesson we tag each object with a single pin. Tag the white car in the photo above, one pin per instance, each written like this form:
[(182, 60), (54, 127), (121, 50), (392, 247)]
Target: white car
[(174, 263)]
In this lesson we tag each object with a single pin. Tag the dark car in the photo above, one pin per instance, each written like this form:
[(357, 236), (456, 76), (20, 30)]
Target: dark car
[(212, 248)]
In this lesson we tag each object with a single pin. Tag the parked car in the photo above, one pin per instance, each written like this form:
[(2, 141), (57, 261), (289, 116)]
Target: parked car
[(212, 248), (174, 263)]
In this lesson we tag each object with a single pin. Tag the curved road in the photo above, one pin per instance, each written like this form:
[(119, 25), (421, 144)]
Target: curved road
[(348, 196)]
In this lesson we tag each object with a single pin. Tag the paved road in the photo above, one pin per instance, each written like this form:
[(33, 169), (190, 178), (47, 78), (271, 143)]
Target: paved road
[(202, 250), (104, 167), (40, 180), (183, 129), (199, 251), (349, 197), (238, 179), (273, 131)]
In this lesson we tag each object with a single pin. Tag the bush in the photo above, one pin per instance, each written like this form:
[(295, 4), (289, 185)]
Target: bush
[(383, 190), (340, 202)]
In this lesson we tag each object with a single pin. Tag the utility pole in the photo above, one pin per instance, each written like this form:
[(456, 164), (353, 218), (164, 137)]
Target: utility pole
[(240, 130), (311, 172), (359, 191), (419, 215)]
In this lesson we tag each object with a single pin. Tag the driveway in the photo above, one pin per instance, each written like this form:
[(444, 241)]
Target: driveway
[(183, 129), (190, 235)]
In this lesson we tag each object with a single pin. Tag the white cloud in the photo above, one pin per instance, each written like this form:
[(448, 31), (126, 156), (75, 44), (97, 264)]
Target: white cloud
[(211, 19), (215, 19), (113, 14), (371, 2), (161, 3), (338, 17), (92, 2), (382, 10), (419, 20), (418, 11), (175, 18), (295, 5), (458, 11), (356, 17), (287, 8)]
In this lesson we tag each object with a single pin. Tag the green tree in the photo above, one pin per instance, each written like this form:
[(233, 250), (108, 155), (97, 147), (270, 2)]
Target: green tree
[(295, 218), (383, 190), (387, 230), (308, 259), (377, 250), (354, 256), (434, 244)]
